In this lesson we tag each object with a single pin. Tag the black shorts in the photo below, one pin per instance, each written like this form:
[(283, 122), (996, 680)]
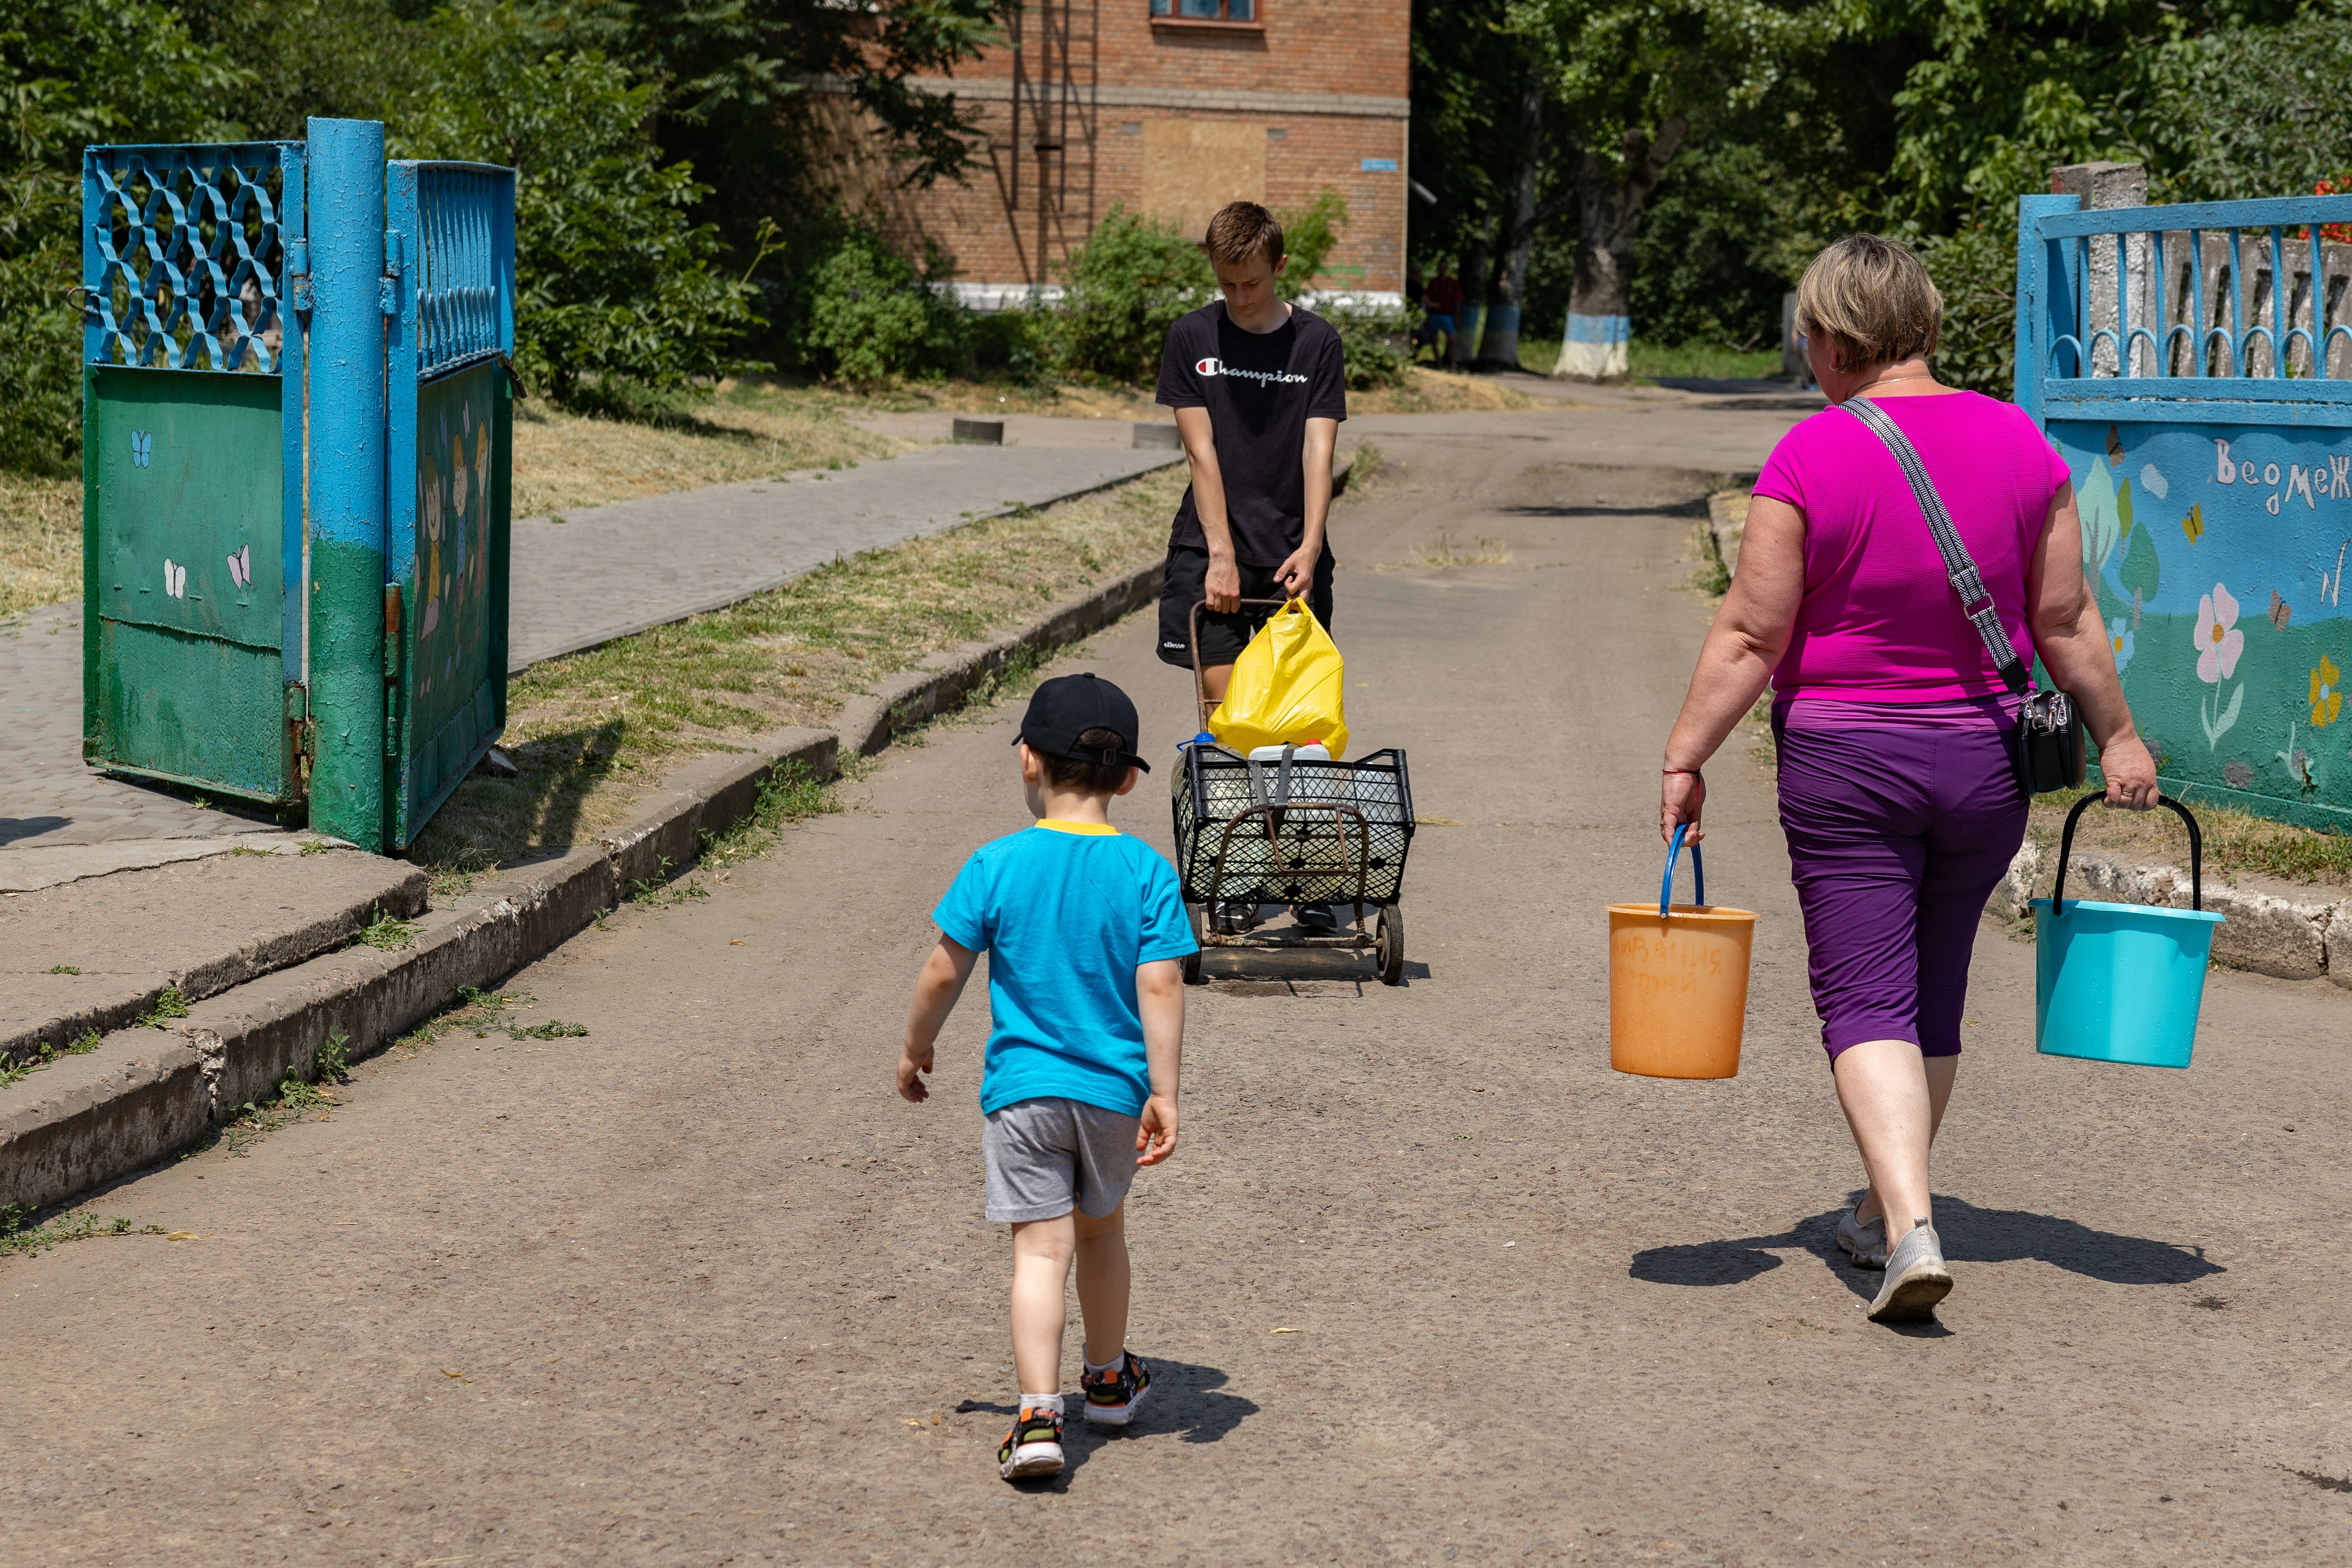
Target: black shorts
[(1223, 637)]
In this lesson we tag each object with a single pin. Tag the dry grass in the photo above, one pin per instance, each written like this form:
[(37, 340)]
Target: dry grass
[(41, 541), (562, 461), (2235, 841), (1445, 551), (1425, 391), (591, 733)]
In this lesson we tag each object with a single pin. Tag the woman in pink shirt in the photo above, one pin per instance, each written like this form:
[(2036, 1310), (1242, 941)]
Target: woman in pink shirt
[(1897, 793)]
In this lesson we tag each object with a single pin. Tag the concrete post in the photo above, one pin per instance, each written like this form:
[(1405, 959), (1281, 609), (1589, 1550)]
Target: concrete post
[(347, 453), (2114, 185)]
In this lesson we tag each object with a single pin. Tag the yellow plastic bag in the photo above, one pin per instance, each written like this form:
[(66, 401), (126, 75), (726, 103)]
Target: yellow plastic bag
[(1289, 688)]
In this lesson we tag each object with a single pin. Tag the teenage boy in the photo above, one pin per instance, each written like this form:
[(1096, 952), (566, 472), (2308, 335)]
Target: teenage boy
[(1259, 387), (1084, 928)]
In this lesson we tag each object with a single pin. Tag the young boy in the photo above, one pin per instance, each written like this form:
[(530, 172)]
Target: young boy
[(1084, 928)]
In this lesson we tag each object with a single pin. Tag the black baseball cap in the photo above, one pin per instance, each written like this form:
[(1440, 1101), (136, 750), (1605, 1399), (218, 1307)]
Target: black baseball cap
[(1067, 706)]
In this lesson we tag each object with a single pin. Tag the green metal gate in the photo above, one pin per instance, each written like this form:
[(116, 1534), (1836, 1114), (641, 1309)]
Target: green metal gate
[(295, 475), (191, 422)]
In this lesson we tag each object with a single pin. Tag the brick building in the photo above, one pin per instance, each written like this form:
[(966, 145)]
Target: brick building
[(1169, 107)]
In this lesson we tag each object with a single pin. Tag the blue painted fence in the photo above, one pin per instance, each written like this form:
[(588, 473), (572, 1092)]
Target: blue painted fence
[(2193, 366)]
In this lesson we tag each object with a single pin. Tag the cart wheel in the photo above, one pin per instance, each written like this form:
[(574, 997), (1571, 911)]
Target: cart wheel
[(1387, 944), (1199, 913)]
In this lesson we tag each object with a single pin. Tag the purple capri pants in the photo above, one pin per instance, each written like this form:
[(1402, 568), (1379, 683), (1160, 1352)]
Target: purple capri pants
[(1896, 839)]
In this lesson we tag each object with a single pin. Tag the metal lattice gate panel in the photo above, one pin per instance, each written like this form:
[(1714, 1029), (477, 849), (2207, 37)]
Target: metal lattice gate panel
[(191, 531)]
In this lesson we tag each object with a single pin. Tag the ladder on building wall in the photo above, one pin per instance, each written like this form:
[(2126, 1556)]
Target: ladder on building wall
[(1055, 55)]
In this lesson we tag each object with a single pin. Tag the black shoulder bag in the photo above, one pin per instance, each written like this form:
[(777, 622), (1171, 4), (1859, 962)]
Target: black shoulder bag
[(2048, 750)]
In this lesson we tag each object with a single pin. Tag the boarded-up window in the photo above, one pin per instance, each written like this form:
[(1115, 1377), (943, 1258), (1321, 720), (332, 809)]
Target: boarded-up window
[(1193, 167)]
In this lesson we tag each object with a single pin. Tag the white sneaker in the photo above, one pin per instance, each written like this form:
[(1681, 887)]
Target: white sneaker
[(1916, 1278), (1866, 1244)]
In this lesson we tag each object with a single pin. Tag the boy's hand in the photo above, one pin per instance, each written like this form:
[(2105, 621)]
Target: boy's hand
[(913, 1060), (1223, 584), (1296, 575), (1155, 1140)]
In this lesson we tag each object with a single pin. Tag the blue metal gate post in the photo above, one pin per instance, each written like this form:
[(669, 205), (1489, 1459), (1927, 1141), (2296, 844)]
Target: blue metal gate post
[(2035, 280), (347, 478)]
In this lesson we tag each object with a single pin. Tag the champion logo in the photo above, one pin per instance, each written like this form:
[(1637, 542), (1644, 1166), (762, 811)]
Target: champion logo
[(1215, 366)]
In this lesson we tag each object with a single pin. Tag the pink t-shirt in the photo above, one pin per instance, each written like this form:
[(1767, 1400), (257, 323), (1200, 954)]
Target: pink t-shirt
[(1879, 621)]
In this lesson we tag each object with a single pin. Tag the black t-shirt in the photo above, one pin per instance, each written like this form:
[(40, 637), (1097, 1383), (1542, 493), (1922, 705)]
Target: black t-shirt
[(1260, 389)]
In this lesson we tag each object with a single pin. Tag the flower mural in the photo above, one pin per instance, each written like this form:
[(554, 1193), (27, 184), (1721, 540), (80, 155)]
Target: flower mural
[(2219, 645), (2219, 640), (2119, 637), (2326, 693)]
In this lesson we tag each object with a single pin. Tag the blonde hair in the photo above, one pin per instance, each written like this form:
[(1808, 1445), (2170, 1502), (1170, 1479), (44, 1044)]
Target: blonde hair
[(1873, 300), (1243, 231)]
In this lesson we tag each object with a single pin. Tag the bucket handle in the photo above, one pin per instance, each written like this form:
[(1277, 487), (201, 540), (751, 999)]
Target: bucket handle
[(2067, 847), (1698, 873)]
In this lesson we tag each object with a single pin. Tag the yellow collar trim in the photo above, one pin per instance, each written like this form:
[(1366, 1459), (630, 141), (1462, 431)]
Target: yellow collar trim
[(1088, 829)]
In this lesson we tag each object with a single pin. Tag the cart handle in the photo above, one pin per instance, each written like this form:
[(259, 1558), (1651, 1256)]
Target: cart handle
[(1698, 873), (2195, 853)]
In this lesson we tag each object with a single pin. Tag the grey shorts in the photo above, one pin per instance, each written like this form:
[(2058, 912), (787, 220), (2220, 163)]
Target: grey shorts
[(1047, 1157)]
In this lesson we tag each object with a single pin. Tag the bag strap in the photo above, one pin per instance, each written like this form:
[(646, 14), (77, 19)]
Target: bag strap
[(1960, 566)]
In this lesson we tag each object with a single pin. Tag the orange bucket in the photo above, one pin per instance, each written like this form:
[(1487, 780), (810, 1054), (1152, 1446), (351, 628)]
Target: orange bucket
[(1679, 981)]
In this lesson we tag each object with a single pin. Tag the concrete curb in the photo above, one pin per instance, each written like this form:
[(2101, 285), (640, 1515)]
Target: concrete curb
[(2292, 939), (145, 1094), (1726, 521)]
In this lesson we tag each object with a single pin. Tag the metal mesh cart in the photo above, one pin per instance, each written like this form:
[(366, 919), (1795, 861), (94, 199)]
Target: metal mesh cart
[(1293, 831)]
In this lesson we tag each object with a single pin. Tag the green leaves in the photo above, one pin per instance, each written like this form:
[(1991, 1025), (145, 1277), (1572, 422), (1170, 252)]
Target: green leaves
[(621, 306), (1121, 293)]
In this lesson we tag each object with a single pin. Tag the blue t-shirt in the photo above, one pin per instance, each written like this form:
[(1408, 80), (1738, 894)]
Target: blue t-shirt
[(1065, 911)]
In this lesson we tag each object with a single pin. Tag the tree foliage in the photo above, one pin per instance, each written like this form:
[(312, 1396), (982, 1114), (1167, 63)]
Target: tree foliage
[(869, 316), (74, 72), (1121, 291), (621, 303)]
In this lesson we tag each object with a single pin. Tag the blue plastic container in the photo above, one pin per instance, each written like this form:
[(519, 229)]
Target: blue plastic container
[(2121, 983)]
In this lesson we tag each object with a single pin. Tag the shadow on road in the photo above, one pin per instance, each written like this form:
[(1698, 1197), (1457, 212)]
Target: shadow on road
[(1971, 1235), (1184, 1399)]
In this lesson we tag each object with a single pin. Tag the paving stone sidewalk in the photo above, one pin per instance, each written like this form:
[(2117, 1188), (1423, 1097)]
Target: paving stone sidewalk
[(600, 573)]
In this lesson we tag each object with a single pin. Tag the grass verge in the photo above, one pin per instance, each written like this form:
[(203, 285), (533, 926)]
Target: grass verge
[(2236, 842), (1425, 391), (590, 732), (41, 541), (1649, 361), (563, 460)]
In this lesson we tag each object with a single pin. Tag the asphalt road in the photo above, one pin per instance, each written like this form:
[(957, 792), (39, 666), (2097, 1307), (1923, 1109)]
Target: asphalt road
[(699, 1289)]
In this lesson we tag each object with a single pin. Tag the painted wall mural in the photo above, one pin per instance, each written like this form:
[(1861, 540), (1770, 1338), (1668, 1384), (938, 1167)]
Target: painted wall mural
[(2217, 554), (450, 590)]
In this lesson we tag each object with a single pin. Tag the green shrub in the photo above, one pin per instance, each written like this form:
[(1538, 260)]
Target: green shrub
[(868, 316), (1310, 234), (620, 307), (1121, 291), (1377, 344)]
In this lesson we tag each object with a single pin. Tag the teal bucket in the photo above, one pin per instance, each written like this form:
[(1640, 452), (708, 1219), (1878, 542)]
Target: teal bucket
[(2121, 983)]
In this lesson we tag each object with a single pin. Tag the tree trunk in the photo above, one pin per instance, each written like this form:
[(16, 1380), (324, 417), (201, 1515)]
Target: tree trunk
[(1473, 314), (1501, 349), (1600, 304)]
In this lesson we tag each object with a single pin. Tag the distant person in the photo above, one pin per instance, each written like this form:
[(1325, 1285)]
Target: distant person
[(1897, 796), (1440, 302), (1259, 387), (1084, 928)]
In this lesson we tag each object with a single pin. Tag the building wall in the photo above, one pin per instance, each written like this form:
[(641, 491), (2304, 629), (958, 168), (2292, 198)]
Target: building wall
[(1172, 119)]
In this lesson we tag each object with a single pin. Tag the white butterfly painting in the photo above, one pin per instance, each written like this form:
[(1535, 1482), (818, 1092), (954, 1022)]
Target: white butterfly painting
[(176, 580), (240, 567)]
